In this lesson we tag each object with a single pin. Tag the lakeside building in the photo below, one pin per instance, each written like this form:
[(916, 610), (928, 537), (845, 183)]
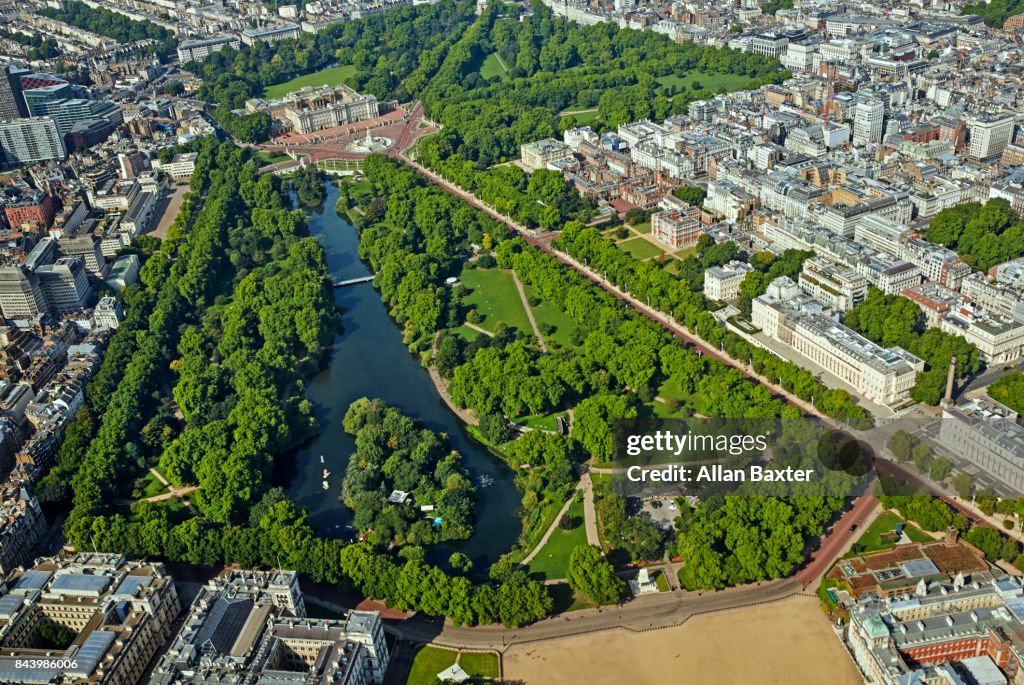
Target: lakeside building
[(117, 614), (797, 320), (249, 627)]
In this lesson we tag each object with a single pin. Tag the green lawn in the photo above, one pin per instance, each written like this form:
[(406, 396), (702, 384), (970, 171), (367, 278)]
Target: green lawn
[(493, 294), (641, 248), (662, 582), (479, 664), (708, 81), (428, 663), (466, 333), (645, 227), (547, 313), (871, 539), (153, 486), (686, 252), (492, 67), (544, 422), (658, 410), (326, 77), (582, 118), (670, 390), (272, 157), (552, 561)]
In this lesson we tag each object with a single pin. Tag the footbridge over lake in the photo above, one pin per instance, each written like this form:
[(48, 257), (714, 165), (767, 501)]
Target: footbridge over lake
[(353, 281)]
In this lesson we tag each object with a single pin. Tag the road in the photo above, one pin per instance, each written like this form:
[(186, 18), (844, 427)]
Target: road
[(589, 510), (647, 612)]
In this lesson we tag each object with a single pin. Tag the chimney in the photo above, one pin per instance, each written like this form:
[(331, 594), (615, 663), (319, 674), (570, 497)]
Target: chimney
[(947, 401)]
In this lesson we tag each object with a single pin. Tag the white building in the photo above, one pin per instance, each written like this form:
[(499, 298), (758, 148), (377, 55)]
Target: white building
[(867, 122), (883, 375), (989, 135), (723, 282)]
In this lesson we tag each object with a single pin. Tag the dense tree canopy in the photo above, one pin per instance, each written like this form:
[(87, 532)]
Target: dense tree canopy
[(983, 234)]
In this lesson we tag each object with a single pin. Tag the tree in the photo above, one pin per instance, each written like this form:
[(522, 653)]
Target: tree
[(900, 444), (1009, 390), (593, 576), (495, 428), (692, 195), (460, 561)]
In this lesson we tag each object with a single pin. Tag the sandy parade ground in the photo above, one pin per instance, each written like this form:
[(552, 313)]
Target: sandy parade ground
[(788, 642)]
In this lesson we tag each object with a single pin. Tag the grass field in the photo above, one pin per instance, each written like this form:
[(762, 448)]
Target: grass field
[(428, 662), (871, 539), (544, 422), (466, 333), (662, 582), (547, 313), (152, 486), (645, 227), (492, 67), (479, 664), (582, 117), (641, 248), (272, 157), (493, 294), (326, 77), (552, 561), (707, 80)]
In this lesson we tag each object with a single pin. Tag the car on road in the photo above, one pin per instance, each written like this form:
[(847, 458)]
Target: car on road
[(853, 527)]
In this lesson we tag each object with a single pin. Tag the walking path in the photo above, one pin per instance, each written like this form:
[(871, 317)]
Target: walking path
[(589, 511), (529, 313), (479, 329), (466, 415), (551, 529)]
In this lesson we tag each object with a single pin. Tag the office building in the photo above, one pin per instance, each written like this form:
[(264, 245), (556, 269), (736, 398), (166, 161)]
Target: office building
[(270, 34), (35, 139), (867, 122), (12, 104), (108, 313), (838, 287), (71, 112), (723, 282), (65, 285), (113, 614), (989, 135), (986, 434), (123, 272), (676, 228), (251, 627), (21, 296), (883, 375), (182, 166)]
